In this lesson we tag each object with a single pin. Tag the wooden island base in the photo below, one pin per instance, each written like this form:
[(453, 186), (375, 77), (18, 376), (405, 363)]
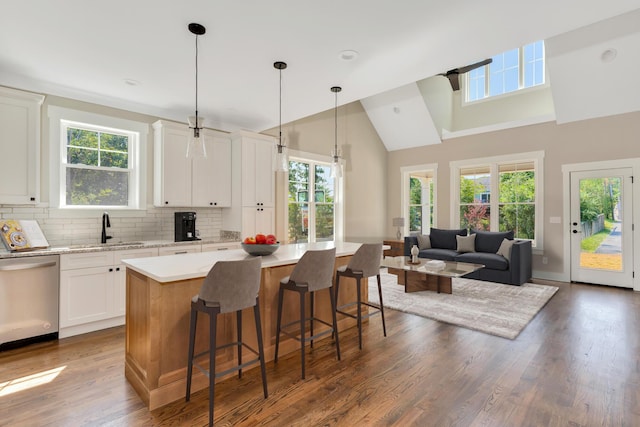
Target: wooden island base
[(157, 330)]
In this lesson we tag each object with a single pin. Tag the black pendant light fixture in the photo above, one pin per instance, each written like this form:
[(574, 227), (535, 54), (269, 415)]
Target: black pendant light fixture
[(195, 146), (336, 164), (282, 162)]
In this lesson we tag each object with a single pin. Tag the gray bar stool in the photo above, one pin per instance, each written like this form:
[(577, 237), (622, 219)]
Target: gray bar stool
[(229, 286), (312, 273), (365, 263)]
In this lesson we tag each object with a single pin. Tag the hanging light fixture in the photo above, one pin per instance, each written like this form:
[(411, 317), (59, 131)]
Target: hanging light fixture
[(336, 164), (195, 146), (282, 162)]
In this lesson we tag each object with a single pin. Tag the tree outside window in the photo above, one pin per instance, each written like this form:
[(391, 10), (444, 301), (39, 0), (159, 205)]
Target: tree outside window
[(97, 171), (420, 202), (311, 213), (515, 198)]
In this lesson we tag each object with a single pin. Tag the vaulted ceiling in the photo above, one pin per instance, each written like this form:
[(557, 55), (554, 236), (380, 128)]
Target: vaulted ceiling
[(139, 55)]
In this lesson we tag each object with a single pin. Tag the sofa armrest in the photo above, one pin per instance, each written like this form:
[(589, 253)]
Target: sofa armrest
[(520, 263), (409, 241)]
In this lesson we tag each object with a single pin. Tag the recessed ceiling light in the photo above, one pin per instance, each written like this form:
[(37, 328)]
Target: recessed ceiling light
[(132, 82), (349, 55), (608, 55)]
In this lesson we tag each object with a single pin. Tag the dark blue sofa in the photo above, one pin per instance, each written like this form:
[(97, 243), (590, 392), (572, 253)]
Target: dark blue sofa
[(444, 245)]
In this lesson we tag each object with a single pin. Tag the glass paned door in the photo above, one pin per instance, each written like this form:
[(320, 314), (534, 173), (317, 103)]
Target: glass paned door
[(601, 241)]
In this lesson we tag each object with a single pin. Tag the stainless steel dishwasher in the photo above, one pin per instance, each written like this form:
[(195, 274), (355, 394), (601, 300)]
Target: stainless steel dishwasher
[(29, 295)]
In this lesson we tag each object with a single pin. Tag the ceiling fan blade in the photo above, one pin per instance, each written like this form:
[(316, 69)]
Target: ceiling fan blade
[(454, 80), (468, 68)]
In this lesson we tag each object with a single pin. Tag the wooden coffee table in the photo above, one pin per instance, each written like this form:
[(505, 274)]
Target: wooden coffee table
[(421, 277)]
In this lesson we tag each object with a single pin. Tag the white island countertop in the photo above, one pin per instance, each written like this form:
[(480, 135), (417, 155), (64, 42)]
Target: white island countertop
[(171, 268)]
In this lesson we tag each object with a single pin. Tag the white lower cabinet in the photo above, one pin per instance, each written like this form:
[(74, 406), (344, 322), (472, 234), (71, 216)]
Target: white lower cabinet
[(258, 220), (93, 290), (210, 247), (179, 249)]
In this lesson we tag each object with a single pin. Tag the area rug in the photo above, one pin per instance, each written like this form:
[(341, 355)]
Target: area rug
[(492, 308)]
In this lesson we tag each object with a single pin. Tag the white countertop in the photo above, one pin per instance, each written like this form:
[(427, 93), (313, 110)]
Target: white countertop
[(170, 268)]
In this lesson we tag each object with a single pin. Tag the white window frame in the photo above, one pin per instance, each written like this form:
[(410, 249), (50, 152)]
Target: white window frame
[(405, 173), (537, 157), (61, 118), (338, 209), (521, 70)]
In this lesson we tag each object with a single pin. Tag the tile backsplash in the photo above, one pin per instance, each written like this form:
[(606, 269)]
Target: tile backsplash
[(157, 224)]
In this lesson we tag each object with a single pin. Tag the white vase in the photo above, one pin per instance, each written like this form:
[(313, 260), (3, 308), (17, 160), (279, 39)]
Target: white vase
[(414, 253)]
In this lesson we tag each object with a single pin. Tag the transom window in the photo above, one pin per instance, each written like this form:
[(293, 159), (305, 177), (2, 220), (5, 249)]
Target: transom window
[(97, 166), (311, 202), (500, 194), (508, 72)]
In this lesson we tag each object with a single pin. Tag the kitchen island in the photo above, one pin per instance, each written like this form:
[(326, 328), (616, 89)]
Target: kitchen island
[(159, 292)]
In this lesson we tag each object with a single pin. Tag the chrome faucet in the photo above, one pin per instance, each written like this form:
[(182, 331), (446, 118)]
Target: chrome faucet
[(105, 223)]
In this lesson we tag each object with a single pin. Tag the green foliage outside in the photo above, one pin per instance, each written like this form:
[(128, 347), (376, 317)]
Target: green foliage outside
[(97, 168), (299, 198), (599, 196), (416, 203), (516, 204)]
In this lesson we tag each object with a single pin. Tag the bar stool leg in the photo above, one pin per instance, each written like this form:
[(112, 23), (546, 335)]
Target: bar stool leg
[(311, 297), (280, 298), (239, 326), (256, 315), (334, 306), (359, 304), (302, 314), (335, 301), (384, 327), (192, 341), (212, 362)]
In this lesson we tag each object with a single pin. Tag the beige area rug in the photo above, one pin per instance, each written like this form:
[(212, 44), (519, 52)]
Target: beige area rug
[(492, 308)]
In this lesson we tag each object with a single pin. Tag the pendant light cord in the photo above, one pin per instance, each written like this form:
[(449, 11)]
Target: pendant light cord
[(336, 126), (280, 115), (196, 124)]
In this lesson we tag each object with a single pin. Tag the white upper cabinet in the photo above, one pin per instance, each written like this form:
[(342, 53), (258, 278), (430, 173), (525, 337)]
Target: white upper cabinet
[(258, 178), (183, 182), (20, 146), (253, 208)]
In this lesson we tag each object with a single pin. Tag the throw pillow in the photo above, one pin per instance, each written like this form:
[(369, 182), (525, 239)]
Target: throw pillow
[(424, 242), (489, 241), (466, 243), (505, 249), (445, 239)]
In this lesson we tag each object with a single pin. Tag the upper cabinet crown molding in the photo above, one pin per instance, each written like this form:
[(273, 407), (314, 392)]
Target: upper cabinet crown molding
[(20, 145), (183, 182)]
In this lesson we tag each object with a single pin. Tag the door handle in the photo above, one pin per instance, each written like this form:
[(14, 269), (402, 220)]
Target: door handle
[(576, 231)]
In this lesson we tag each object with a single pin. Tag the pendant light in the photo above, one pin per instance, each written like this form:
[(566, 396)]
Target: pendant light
[(282, 162), (336, 164), (195, 146)]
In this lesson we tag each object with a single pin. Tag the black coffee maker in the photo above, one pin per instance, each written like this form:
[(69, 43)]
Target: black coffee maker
[(185, 226)]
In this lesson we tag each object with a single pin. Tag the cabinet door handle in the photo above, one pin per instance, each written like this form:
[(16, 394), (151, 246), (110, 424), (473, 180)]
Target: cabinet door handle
[(118, 269), (166, 203), (182, 252), (111, 269)]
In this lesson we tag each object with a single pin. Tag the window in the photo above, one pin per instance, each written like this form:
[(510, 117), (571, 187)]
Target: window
[(312, 202), (96, 162), (97, 171), (418, 198), (508, 72), (420, 206), (500, 194)]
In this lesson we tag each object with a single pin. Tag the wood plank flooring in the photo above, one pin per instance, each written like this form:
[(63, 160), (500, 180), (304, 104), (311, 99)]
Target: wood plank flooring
[(576, 364)]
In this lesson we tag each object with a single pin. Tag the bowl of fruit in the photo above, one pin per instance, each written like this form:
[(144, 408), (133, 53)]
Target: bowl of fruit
[(260, 244)]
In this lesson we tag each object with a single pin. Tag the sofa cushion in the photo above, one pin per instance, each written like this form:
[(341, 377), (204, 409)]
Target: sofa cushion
[(466, 243), (442, 254), (490, 241), (490, 261), (424, 242), (446, 239), (505, 249)]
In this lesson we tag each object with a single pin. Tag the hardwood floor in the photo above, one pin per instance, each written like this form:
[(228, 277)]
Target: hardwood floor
[(577, 363)]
